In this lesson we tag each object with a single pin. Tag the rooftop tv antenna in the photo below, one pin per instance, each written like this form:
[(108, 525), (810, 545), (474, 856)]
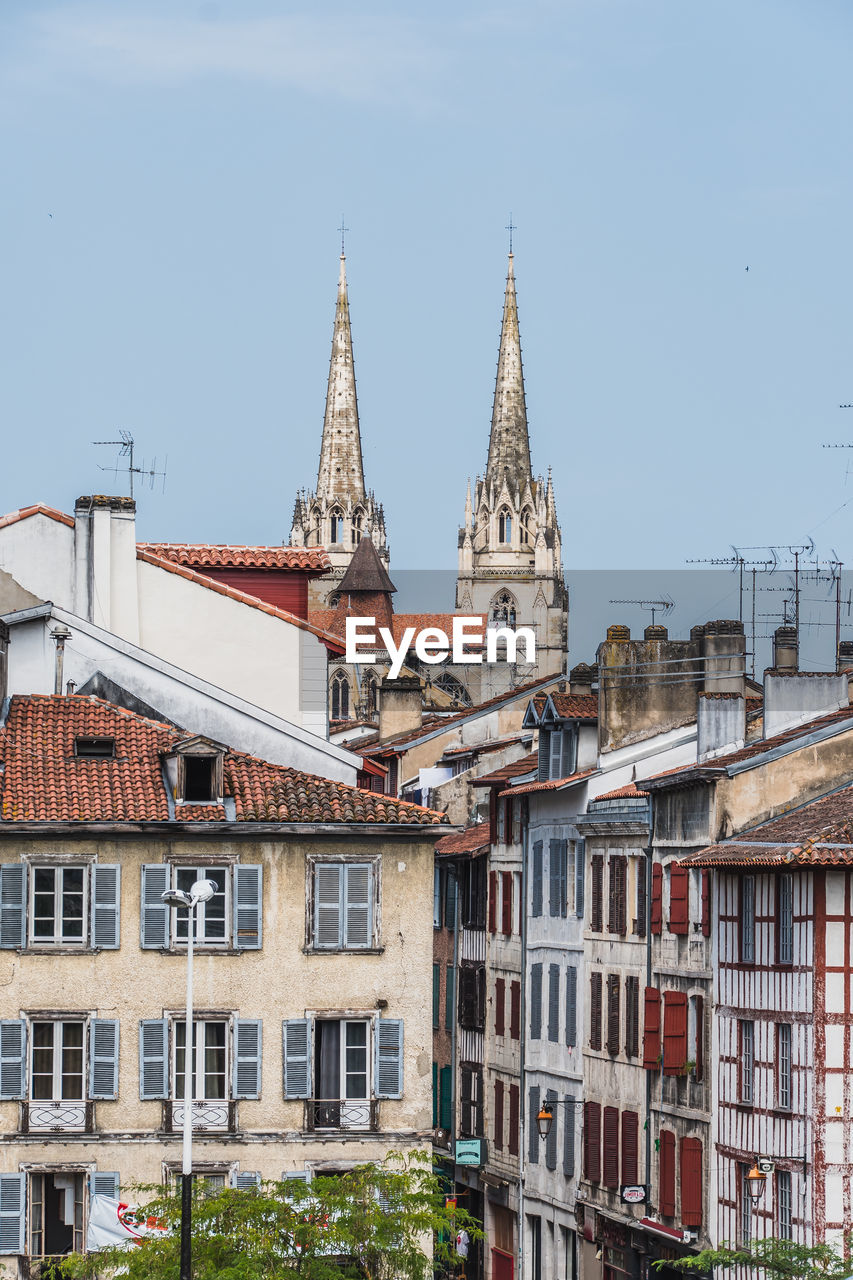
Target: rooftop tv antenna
[(655, 606), (125, 450)]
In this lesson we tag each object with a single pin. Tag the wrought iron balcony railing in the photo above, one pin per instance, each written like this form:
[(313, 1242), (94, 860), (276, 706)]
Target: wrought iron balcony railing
[(360, 1115)]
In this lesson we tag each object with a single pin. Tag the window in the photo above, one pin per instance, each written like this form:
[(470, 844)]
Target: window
[(679, 900), (59, 905), (445, 1098), (369, 695), (747, 920), (691, 1182), (449, 997), (630, 1147), (632, 1019), (336, 1063), (226, 1066), (595, 1011), (640, 919), (55, 1213), (696, 1035), (436, 996), (596, 920), (618, 913), (514, 1010), (474, 894), (666, 1173), (503, 609), (506, 903), (336, 525), (561, 745), (504, 525), (231, 917), (592, 1141), (471, 1102), (499, 1115), (783, 1066), (613, 1014), (554, 1003), (571, 1006), (611, 1147), (651, 1029), (747, 1060), (200, 780), (514, 1097), (558, 877), (536, 880), (674, 1032), (500, 1006), (343, 914), (783, 1205), (535, 1001), (745, 1208), (785, 919), (56, 1068), (472, 996), (340, 696), (209, 1074), (95, 748), (56, 1065)]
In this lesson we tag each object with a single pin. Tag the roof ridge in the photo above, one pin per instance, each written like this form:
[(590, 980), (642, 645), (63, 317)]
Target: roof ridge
[(36, 508)]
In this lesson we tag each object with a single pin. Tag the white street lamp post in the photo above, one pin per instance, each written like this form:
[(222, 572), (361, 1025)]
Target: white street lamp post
[(201, 891)]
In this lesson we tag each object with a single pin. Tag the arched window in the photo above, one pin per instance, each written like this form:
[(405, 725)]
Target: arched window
[(503, 610), (336, 525), (455, 688), (334, 600), (369, 695), (340, 696), (357, 526), (504, 525), (525, 526)]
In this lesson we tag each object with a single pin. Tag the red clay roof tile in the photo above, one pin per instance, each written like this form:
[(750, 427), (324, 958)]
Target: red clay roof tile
[(37, 509), (200, 555), (819, 833)]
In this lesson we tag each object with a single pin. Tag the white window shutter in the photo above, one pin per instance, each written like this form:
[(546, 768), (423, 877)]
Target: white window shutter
[(103, 1183), (247, 1181), (389, 1058), (13, 906), (153, 1059), (248, 907), (13, 1058), (358, 885), (328, 877), (297, 1060), (12, 1213), (296, 1175), (106, 895), (103, 1058), (246, 1081), (154, 922)]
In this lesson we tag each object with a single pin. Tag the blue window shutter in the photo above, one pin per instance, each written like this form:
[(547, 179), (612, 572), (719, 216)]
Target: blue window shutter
[(13, 1058), (389, 1058), (535, 1001), (580, 872), (434, 1095), (106, 895), (102, 1183), (103, 1058), (12, 1212), (571, 1006), (248, 907), (551, 1140), (295, 1175), (536, 886), (358, 881), (328, 884), (153, 1059), (553, 1003), (247, 1181), (247, 1058), (13, 906), (154, 918), (533, 1139), (297, 1060)]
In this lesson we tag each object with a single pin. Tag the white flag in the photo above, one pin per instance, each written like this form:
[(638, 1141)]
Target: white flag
[(112, 1222)]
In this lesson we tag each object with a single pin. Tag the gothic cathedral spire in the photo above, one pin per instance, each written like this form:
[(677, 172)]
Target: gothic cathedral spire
[(341, 512), (509, 443)]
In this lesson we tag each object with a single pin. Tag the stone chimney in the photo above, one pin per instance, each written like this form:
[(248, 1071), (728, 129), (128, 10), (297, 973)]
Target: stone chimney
[(724, 648), (646, 686), (785, 649), (721, 723), (581, 678), (105, 587), (400, 706)]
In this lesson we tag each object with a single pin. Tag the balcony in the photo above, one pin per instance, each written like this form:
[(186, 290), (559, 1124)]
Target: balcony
[(208, 1117), (360, 1115), (57, 1117)]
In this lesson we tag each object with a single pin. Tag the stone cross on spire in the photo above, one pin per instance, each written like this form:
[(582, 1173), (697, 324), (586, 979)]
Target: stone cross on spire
[(509, 443), (341, 472)]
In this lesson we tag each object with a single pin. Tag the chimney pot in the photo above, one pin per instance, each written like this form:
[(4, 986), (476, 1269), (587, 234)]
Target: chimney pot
[(656, 632), (785, 649), (619, 634)]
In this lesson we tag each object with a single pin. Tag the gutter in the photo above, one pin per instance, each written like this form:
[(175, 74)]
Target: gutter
[(248, 830)]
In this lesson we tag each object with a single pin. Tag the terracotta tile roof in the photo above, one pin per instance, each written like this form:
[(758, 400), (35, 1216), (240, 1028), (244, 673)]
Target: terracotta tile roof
[(44, 781), (788, 738), (471, 840), (332, 642), (550, 784), (515, 769), (819, 833), (629, 792), (483, 748), (439, 722), (199, 555), (576, 706), (37, 509)]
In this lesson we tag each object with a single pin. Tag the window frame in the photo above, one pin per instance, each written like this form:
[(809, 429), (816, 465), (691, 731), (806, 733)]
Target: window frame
[(200, 1021), (746, 1061), (59, 869), (373, 867), (57, 1052), (746, 917), (784, 1066), (177, 918), (784, 1204), (785, 918)]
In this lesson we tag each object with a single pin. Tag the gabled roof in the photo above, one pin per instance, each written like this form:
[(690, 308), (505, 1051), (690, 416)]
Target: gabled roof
[(781, 744), (37, 509), (44, 781), (366, 572), (570, 706), (516, 769), (549, 784), (819, 833), (471, 840), (629, 792), (201, 556)]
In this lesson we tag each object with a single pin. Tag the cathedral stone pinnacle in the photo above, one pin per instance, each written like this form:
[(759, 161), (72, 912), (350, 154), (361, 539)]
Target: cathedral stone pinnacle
[(341, 469), (509, 444)]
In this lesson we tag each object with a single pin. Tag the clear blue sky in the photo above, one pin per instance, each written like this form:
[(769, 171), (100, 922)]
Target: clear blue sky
[(173, 174)]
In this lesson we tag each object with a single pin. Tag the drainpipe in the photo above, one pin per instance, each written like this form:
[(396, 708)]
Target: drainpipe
[(522, 1101)]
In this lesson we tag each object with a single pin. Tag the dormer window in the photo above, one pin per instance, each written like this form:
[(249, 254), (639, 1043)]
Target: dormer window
[(196, 771), (199, 780), (95, 748)]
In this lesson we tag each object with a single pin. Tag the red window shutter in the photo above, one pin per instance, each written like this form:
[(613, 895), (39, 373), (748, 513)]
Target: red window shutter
[(506, 902), (595, 1011), (674, 1032), (691, 1182), (514, 1010), (500, 1002), (657, 897), (596, 915), (630, 1147), (651, 1029), (706, 903), (493, 901), (499, 1115), (513, 1119), (613, 1014), (666, 1173), (699, 1069), (618, 907), (611, 1147), (679, 899), (592, 1141)]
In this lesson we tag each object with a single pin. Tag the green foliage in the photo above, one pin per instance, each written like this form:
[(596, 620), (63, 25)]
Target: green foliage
[(375, 1222), (771, 1258)]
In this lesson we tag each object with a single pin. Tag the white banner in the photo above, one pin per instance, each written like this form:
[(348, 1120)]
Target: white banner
[(112, 1222)]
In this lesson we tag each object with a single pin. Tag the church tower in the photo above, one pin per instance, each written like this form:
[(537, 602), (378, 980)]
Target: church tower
[(340, 512), (510, 563)]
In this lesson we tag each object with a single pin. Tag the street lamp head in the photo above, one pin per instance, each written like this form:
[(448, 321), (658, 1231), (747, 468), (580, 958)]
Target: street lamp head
[(755, 1181), (202, 891), (544, 1120), (176, 898)]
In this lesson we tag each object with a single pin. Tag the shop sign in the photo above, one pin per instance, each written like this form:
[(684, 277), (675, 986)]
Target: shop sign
[(471, 1151), (633, 1194)]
